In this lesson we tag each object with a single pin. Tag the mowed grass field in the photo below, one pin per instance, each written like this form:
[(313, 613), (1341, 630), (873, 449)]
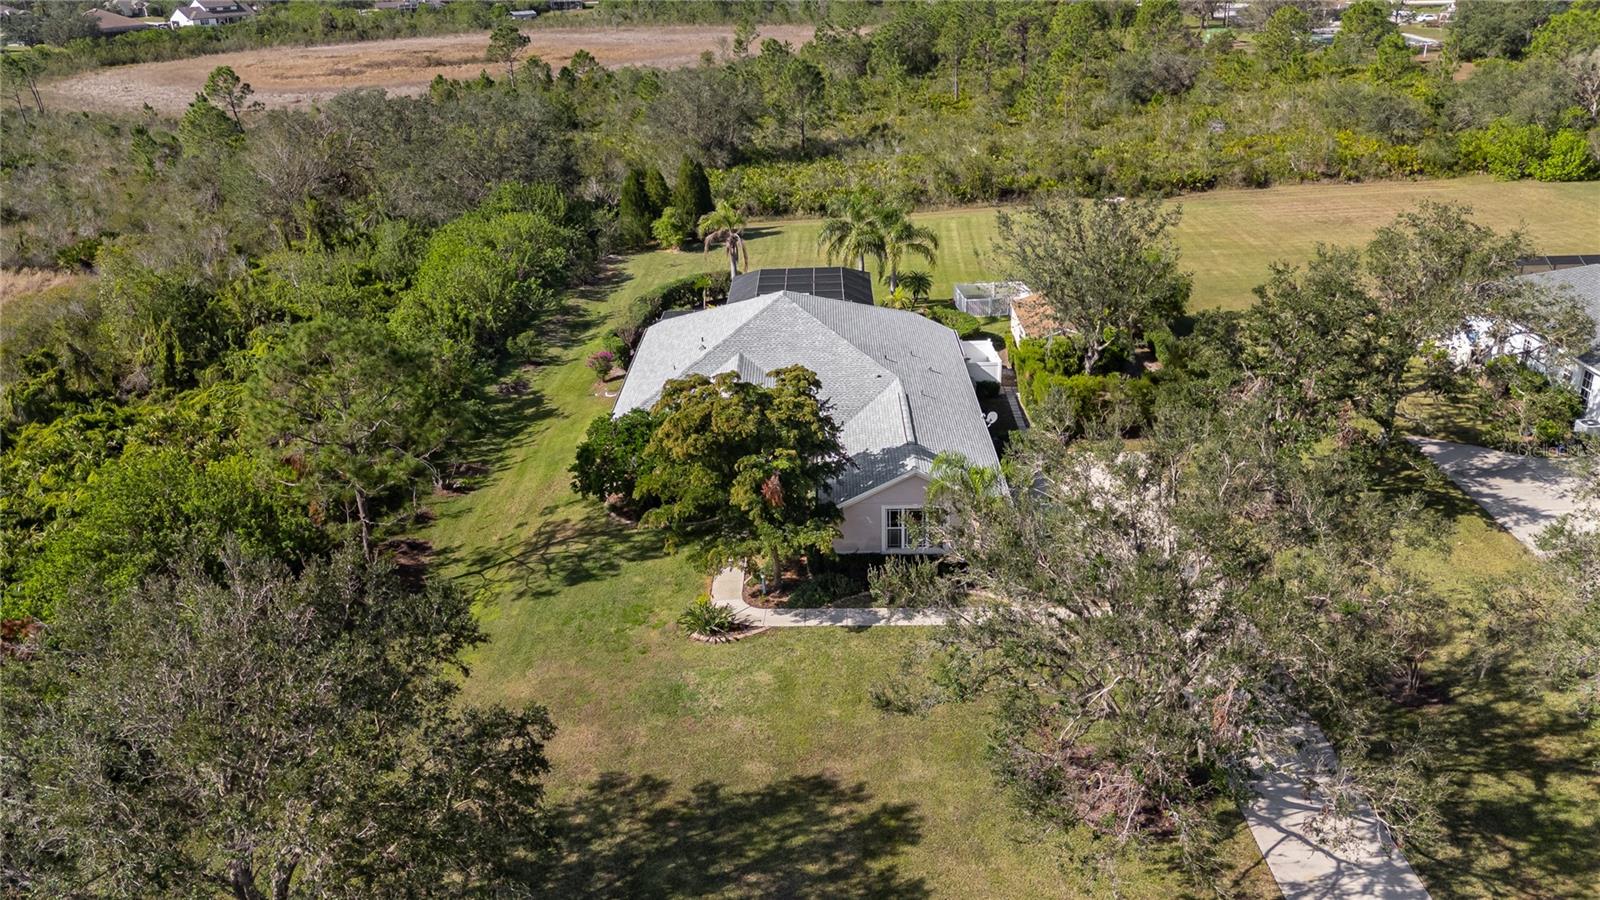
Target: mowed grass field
[(1227, 238), (763, 769)]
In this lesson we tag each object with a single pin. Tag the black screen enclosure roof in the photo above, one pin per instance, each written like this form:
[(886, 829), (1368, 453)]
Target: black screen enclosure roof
[(832, 282)]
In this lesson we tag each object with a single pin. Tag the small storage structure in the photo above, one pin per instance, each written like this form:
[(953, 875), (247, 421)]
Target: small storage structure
[(988, 298)]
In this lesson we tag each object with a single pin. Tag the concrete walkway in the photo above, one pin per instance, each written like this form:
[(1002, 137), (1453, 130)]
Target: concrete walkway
[(1525, 494), (727, 589), (1353, 858)]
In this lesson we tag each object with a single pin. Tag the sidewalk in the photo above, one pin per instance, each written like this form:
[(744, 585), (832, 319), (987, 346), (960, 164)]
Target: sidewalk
[(1362, 864), (727, 589)]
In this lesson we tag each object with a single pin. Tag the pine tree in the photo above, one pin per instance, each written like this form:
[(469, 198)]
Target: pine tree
[(692, 194), (633, 216), (656, 191)]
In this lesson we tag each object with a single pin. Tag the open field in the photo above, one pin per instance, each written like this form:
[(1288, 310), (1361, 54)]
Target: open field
[(301, 76), (1227, 238), (763, 767)]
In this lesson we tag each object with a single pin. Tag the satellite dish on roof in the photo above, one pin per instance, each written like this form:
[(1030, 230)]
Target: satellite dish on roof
[(990, 419)]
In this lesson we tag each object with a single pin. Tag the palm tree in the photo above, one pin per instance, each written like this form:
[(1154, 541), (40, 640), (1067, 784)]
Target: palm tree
[(902, 238), (725, 225), (854, 232), (919, 284)]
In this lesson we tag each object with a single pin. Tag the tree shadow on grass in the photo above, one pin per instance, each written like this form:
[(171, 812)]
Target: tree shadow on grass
[(1525, 839), (543, 559), (808, 836), (573, 322), (513, 404)]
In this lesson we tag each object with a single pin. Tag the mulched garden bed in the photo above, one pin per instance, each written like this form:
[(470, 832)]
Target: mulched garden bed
[(730, 637)]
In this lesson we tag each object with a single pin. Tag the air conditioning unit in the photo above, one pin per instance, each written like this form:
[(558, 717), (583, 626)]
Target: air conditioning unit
[(1590, 425)]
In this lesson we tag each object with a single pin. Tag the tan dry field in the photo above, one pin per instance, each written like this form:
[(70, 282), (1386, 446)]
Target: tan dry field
[(301, 76), (19, 282)]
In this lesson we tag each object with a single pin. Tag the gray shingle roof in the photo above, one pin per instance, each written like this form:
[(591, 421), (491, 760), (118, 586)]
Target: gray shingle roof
[(1583, 282), (895, 382)]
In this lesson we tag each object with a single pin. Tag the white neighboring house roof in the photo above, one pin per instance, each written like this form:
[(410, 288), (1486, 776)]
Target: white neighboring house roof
[(895, 381), (1582, 282)]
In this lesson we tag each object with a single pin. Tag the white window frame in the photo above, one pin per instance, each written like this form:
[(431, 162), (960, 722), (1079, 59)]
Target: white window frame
[(902, 528)]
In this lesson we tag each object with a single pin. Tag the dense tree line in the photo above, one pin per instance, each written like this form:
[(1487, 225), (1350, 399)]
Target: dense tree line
[(282, 344), (949, 103)]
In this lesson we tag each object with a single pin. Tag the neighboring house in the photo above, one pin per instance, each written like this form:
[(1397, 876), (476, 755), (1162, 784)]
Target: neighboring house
[(896, 383), (409, 5), (988, 298), (833, 282), (1582, 373), (109, 23), (209, 12), (1032, 317), (563, 5)]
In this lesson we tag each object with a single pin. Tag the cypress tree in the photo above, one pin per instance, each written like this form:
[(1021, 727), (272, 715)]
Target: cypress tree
[(693, 191), (633, 216), (655, 189)]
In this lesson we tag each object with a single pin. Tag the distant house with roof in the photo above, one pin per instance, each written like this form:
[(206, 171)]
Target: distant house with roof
[(1580, 281), (1033, 317), (110, 23), (408, 5), (209, 13), (896, 383)]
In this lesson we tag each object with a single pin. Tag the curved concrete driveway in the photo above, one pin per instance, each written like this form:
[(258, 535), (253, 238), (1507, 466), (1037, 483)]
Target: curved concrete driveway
[(1525, 494)]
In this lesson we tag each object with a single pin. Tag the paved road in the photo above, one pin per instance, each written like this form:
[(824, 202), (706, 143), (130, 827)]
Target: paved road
[(1357, 862), (1525, 494)]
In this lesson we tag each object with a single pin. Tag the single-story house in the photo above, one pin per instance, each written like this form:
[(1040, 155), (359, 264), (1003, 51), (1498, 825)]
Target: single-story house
[(109, 23), (407, 5), (896, 383), (1032, 317), (1582, 372), (209, 12), (988, 298), (833, 282)]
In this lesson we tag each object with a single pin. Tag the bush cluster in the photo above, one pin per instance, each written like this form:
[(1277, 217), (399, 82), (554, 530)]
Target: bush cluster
[(1045, 377), (707, 619), (962, 323), (825, 588), (688, 292)]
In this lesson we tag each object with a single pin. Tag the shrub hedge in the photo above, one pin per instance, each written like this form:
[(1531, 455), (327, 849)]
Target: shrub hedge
[(710, 288)]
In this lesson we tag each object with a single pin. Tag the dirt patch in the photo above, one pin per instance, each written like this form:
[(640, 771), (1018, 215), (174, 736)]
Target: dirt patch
[(301, 76)]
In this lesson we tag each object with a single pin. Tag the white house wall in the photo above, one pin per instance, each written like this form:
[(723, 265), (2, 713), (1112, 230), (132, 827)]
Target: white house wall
[(862, 530), (1527, 347)]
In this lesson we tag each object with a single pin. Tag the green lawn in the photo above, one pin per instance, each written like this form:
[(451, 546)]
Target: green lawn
[(1228, 238), (1524, 807), (761, 768)]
